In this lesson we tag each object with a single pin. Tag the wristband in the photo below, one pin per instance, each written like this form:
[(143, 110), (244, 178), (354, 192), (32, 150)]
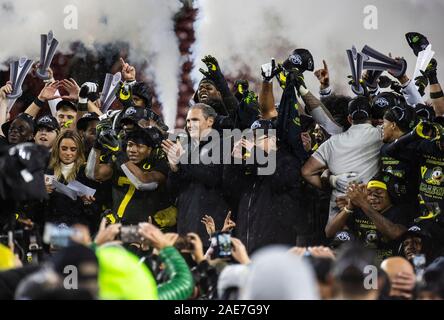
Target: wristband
[(325, 92), (347, 210), (82, 106), (436, 95), (39, 103)]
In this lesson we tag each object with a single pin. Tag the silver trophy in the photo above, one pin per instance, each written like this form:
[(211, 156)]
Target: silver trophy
[(47, 51), (398, 67), (18, 71), (110, 87), (356, 60)]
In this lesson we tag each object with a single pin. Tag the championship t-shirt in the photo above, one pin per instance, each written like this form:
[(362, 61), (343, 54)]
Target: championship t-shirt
[(365, 230)]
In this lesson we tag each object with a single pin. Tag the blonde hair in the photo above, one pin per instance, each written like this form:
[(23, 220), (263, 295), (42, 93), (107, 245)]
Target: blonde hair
[(55, 162)]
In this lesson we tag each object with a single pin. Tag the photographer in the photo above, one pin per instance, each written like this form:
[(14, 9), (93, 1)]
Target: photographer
[(180, 283)]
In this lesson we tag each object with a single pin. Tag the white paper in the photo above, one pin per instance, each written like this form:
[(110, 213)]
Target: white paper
[(49, 178), (81, 189), (64, 189), (423, 60)]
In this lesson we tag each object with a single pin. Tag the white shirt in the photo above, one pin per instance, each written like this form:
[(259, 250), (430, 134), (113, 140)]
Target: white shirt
[(355, 150)]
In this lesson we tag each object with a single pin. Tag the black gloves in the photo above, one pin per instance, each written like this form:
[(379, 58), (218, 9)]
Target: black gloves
[(428, 76), (89, 91), (240, 89), (296, 78), (215, 74), (430, 72)]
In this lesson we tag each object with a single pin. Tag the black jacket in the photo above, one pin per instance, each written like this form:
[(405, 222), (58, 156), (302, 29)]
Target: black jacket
[(198, 188), (62, 209), (267, 205), (10, 279)]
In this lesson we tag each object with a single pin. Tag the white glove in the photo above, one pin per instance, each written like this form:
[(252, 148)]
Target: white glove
[(86, 89), (268, 70), (342, 181)]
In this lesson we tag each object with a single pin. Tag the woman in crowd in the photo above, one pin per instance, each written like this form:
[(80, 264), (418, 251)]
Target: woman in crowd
[(67, 164)]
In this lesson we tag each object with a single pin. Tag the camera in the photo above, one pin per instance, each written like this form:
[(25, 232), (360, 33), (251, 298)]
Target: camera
[(130, 234), (58, 235), (221, 244), (419, 262)]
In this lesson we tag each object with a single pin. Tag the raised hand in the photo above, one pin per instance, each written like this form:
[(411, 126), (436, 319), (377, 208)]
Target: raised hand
[(174, 151), (107, 233), (5, 90), (239, 252), (197, 252), (49, 92), (209, 224), (128, 71), (323, 76), (73, 89), (228, 223), (270, 70), (155, 237)]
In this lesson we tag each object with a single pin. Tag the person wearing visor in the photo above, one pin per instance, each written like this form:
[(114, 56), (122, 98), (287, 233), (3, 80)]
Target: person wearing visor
[(20, 129), (47, 131), (137, 173), (371, 215)]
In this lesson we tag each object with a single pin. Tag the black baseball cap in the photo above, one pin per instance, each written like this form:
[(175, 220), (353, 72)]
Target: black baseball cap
[(132, 114), (82, 123), (382, 102), (47, 121), (262, 124), (66, 103), (359, 108)]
